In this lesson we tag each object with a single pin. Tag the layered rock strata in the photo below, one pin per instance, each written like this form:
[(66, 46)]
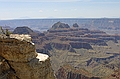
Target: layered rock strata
[(19, 60), (68, 72)]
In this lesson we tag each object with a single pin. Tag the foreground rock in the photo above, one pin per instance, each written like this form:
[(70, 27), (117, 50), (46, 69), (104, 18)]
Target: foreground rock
[(6, 72), (16, 50), (19, 60)]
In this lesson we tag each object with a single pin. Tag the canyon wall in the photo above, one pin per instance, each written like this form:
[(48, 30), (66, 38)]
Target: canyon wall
[(19, 60)]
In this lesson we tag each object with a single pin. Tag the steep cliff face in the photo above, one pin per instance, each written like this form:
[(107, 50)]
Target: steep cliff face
[(92, 41), (79, 45), (19, 60)]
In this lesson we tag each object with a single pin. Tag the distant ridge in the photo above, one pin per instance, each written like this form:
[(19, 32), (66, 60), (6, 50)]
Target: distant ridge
[(45, 24)]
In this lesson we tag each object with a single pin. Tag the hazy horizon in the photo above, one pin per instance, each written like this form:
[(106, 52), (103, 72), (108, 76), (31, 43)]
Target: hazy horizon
[(44, 9)]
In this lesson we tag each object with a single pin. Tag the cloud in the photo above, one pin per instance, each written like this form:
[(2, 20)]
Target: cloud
[(40, 11), (75, 9), (55, 10)]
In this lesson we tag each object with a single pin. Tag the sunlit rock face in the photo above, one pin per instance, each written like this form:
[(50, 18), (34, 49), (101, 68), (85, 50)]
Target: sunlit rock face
[(19, 60), (17, 50)]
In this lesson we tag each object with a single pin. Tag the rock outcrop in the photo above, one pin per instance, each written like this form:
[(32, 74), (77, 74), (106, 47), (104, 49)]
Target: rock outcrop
[(75, 25), (19, 60), (23, 30), (59, 25)]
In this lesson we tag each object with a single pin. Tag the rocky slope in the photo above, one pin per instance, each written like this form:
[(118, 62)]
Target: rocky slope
[(19, 59)]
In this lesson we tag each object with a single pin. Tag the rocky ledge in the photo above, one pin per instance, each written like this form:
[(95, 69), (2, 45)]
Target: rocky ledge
[(19, 60)]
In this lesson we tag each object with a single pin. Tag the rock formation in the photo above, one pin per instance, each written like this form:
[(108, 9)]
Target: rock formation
[(19, 60), (75, 25), (59, 25), (23, 30)]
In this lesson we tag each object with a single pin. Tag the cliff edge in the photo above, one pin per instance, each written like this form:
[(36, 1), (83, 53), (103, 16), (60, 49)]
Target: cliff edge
[(19, 60)]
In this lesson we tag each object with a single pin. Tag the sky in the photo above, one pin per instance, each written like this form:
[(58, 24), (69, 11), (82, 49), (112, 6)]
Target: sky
[(31, 9)]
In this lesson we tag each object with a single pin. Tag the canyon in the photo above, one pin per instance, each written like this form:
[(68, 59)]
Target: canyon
[(75, 52), (93, 52)]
